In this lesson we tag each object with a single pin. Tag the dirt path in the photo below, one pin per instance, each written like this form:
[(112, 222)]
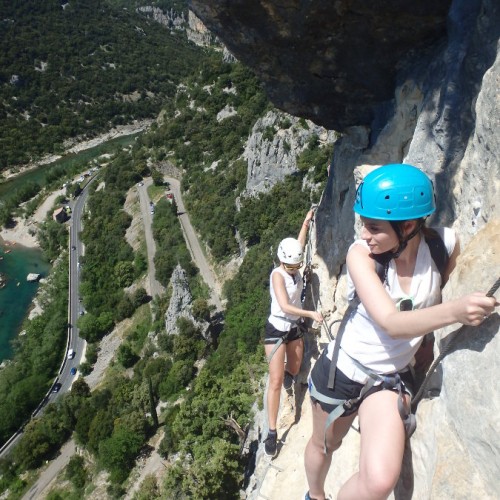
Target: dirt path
[(50, 473)]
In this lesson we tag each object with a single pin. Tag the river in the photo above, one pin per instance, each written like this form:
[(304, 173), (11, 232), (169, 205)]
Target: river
[(17, 295), (70, 163)]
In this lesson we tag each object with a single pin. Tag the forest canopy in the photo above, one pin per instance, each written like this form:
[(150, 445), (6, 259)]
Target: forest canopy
[(80, 68)]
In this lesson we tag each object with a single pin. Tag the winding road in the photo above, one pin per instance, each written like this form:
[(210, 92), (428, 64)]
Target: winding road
[(50, 474)]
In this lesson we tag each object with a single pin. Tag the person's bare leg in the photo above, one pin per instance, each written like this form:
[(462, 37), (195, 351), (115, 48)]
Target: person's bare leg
[(276, 373), (316, 462), (294, 354), (382, 448)]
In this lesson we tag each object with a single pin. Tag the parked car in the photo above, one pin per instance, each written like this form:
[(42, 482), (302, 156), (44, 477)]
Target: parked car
[(73, 371), (71, 353), (56, 387)]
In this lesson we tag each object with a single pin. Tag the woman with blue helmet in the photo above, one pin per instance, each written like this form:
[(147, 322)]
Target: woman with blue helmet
[(371, 377)]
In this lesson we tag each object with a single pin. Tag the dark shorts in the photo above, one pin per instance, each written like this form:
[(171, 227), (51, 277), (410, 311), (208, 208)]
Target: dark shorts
[(273, 335), (345, 388)]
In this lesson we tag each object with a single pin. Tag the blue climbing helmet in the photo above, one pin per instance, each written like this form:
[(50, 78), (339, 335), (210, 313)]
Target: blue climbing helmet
[(395, 192)]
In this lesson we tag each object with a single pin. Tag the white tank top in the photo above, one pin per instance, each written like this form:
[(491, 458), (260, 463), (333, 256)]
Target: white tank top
[(369, 344), (293, 285)]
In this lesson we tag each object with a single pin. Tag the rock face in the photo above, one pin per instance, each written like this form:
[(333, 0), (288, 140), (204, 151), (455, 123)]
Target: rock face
[(180, 300), (273, 146), (32, 277), (180, 305), (342, 65), (331, 62)]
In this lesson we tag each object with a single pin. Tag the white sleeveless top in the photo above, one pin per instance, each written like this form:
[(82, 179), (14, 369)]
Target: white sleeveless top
[(293, 285), (366, 342)]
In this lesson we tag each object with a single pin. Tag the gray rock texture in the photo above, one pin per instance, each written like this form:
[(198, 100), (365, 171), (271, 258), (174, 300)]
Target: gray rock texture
[(333, 62), (343, 65), (180, 300), (273, 146), (180, 305)]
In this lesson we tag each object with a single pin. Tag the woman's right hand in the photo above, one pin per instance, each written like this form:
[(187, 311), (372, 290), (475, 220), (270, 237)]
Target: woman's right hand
[(473, 309), (317, 316)]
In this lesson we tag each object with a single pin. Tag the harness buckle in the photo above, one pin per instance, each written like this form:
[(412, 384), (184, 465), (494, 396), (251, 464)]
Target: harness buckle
[(391, 381), (348, 404)]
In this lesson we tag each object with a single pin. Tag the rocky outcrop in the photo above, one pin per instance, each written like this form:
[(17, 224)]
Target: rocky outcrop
[(271, 151), (342, 65), (198, 33), (332, 62), (32, 277), (169, 18), (457, 431), (180, 305), (180, 300)]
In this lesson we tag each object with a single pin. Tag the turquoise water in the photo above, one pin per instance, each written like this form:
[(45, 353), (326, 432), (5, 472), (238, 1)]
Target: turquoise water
[(17, 295)]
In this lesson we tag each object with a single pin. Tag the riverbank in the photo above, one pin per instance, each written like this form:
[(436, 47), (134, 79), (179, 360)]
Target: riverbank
[(75, 146), (25, 230)]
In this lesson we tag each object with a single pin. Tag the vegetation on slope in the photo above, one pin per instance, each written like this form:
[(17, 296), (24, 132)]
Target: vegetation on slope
[(80, 68), (115, 421)]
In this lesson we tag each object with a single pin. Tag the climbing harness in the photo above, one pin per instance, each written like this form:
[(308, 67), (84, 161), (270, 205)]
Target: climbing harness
[(374, 381), (277, 341), (451, 339)]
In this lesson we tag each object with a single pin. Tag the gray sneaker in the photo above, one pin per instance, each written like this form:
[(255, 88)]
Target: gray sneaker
[(271, 444)]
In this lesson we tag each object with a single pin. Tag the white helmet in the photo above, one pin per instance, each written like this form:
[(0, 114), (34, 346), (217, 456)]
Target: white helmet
[(290, 251)]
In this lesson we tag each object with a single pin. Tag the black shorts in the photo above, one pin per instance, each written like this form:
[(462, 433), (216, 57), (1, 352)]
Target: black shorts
[(273, 335), (345, 388)]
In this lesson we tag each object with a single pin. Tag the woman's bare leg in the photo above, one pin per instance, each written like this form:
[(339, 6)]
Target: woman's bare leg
[(276, 373), (382, 448), (317, 463), (294, 354)]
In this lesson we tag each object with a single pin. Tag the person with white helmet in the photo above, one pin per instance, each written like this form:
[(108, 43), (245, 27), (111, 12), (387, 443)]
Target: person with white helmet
[(283, 339), (368, 375)]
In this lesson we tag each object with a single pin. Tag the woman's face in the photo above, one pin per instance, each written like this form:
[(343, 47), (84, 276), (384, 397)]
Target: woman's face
[(379, 235)]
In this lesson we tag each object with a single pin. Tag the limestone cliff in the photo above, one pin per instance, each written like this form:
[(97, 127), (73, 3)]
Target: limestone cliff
[(331, 62), (344, 65)]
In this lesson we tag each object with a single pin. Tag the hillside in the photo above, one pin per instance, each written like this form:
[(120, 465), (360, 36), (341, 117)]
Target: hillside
[(217, 118), (76, 69)]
